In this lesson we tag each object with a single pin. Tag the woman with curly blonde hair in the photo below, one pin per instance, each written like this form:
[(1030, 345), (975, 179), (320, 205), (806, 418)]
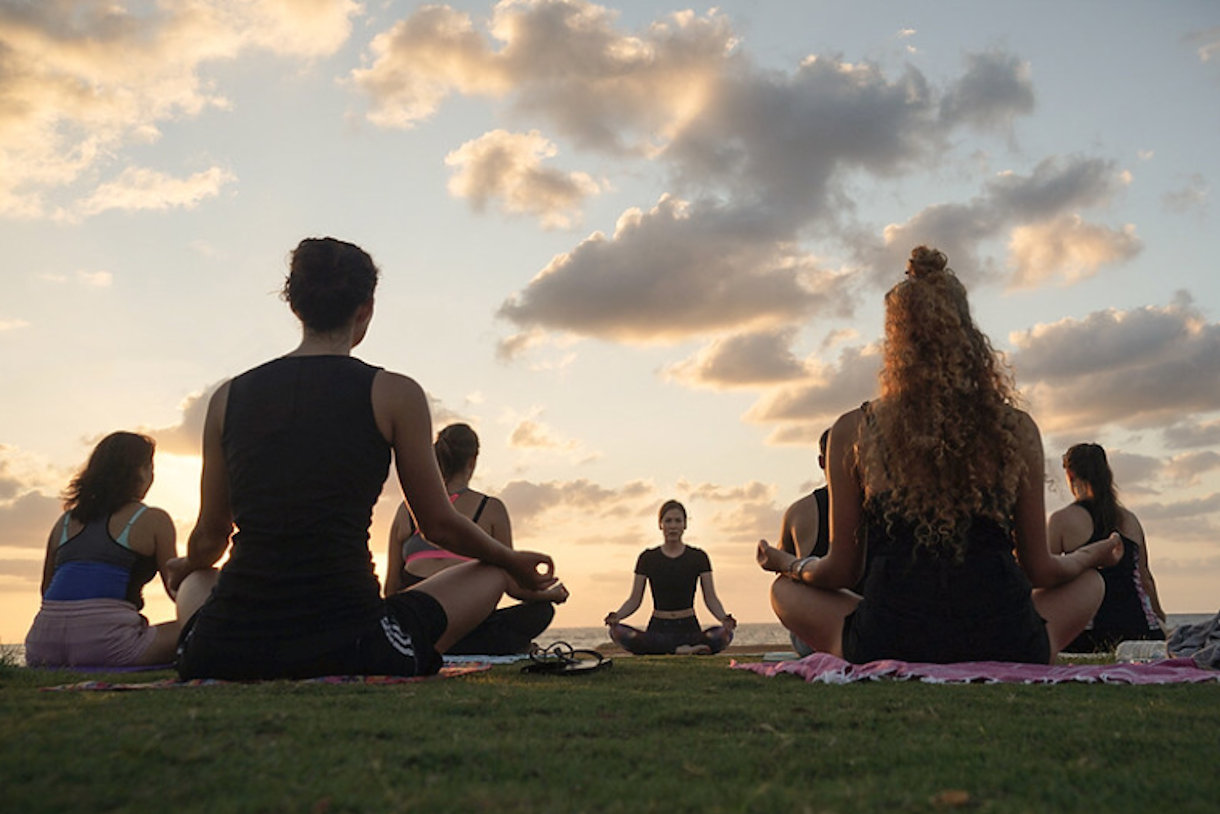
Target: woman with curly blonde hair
[(933, 485)]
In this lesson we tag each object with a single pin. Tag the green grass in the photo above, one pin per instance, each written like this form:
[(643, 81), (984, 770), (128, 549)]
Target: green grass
[(652, 734)]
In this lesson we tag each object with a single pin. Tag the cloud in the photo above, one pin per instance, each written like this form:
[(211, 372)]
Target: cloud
[(744, 360), (137, 188), (1138, 368), (1045, 200), (507, 168), (1207, 43), (84, 81), (676, 271), (528, 500), (1068, 249), (532, 434), (1187, 467), (1189, 434), (1191, 197), (829, 391), (25, 521), (995, 89), (562, 59), (186, 437), (12, 324)]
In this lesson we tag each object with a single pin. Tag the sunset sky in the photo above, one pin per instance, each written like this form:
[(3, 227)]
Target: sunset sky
[(640, 247)]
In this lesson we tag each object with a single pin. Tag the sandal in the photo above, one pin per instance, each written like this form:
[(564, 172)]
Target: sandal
[(561, 659)]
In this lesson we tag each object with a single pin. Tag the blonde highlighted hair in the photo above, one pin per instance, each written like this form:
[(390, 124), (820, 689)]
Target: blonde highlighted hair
[(942, 439)]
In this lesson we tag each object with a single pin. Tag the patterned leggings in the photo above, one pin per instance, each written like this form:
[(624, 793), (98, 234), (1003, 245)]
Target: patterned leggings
[(667, 635)]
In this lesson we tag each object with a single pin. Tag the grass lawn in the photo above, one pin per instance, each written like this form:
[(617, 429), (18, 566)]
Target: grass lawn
[(658, 734)]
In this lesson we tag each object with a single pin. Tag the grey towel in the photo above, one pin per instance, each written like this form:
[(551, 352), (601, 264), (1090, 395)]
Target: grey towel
[(1199, 641)]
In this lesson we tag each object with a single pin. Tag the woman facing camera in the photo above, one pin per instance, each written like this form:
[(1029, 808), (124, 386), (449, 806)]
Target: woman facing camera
[(101, 553), (295, 453), (934, 483), (412, 559), (672, 569), (1131, 608)]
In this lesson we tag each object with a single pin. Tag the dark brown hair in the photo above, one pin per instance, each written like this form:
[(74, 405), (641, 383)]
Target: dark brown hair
[(111, 478), (455, 446), (1087, 462), (670, 504), (327, 281)]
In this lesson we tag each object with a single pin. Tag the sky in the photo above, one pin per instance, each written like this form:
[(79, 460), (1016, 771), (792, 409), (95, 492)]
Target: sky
[(640, 247)]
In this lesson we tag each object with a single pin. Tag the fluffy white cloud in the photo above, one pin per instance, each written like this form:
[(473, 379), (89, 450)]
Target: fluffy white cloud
[(1187, 467), (672, 272), (804, 410), (138, 188), (1067, 249), (1144, 367), (79, 81), (507, 168), (743, 360)]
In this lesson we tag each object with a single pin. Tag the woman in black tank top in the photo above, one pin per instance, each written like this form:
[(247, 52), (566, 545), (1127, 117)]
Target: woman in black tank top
[(935, 483), (295, 453), (412, 558)]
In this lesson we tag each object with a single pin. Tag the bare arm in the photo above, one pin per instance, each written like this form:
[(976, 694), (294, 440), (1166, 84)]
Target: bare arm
[(713, 602), (209, 539), (1043, 569), (633, 601), (496, 515), (1145, 571), (400, 530), (401, 410), (165, 541), (48, 563)]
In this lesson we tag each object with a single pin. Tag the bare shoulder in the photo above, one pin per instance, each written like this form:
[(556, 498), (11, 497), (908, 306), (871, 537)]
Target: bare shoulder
[(1129, 524), (394, 386)]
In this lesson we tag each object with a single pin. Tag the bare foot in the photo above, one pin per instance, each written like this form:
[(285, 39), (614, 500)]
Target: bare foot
[(693, 650), (773, 559)]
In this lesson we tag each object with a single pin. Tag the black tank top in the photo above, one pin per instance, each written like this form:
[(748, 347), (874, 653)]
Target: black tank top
[(306, 463)]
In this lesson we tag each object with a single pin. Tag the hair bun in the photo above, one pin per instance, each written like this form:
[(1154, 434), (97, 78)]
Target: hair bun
[(925, 260)]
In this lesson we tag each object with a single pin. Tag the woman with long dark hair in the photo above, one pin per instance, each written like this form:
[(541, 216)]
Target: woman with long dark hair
[(412, 558), (935, 483), (295, 453), (102, 551), (1131, 609)]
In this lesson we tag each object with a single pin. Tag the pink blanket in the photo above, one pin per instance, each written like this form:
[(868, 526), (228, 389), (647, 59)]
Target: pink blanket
[(828, 669)]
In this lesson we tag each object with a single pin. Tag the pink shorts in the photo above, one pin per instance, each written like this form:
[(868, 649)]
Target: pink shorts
[(88, 633)]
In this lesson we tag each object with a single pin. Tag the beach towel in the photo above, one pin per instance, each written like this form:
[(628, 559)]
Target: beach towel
[(449, 671), (827, 669)]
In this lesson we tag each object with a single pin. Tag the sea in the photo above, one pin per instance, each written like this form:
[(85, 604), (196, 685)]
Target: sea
[(769, 635)]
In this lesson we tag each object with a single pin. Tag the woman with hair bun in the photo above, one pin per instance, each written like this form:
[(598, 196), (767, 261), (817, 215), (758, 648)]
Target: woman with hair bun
[(101, 553), (1131, 609), (412, 559), (295, 453), (672, 569), (934, 484)]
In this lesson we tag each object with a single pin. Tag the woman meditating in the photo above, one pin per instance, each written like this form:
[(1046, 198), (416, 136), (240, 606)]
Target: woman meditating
[(1131, 609), (672, 569), (935, 483), (412, 559), (101, 553), (295, 453)]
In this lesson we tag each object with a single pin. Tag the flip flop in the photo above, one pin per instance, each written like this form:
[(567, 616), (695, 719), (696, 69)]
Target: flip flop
[(561, 659)]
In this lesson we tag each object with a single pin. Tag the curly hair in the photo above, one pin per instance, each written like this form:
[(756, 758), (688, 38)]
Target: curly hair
[(111, 478), (942, 439)]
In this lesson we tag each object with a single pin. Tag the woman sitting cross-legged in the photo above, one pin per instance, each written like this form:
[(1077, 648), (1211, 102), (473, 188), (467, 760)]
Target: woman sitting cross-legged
[(935, 483), (295, 453), (100, 554), (412, 559), (1131, 609), (672, 569)]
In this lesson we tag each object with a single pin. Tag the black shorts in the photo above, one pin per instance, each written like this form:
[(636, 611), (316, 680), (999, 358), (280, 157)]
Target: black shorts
[(400, 642)]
